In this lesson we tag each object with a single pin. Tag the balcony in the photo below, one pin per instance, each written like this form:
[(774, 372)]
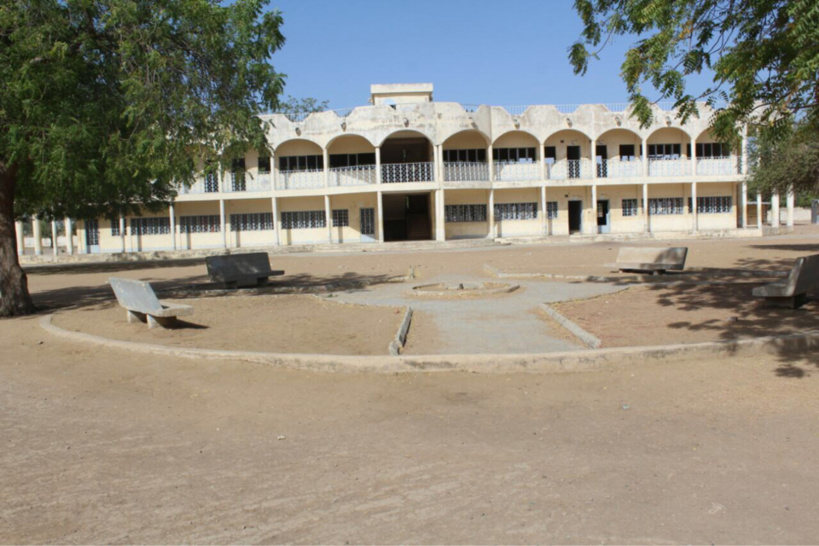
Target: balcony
[(717, 166), (669, 167), (203, 184), (567, 169), (300, 180), (360, 175), (463, 171), (393, 173), (507, 171), (616, 168), (244, 182)]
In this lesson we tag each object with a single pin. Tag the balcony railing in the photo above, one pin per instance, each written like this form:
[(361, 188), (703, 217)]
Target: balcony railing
[(299, 180), (392, 173), (360, 175), (669, 167), (615, 168), (508, 171), (463, 171), (203, 184), (241, 182), (566, 169), (717, 165)]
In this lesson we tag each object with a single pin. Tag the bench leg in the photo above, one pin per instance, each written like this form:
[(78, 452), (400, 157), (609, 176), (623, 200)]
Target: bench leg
[(787, 302), (133, 317), (261, 281), (161, 322)]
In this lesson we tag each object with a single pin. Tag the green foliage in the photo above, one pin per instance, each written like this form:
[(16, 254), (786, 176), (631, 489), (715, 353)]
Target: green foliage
[(105, 104), (291, 106), (764, 55)]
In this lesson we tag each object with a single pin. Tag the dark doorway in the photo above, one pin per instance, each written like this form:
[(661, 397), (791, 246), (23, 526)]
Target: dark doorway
[(573, 155), (603, 225), (601, 158), (575, 216), (407, 217)]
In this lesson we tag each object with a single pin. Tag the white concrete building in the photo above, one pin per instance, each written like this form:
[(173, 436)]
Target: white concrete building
[(408, 168)]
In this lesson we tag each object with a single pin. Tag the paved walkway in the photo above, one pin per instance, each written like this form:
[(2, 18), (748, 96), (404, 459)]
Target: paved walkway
[(498, 324)]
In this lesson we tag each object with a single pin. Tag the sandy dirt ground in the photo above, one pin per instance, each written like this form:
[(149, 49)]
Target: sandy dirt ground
[(273, 324), (106, 446)]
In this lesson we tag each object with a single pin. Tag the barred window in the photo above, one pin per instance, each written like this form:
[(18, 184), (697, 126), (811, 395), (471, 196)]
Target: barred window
[(341, 218), (211, 183), (629, 207), (303, 219), (551, 210), (515, 211), (251, 221), (465, 213), (200, 224), (712, 205), (115, 227), (665, 205), (150, 226)]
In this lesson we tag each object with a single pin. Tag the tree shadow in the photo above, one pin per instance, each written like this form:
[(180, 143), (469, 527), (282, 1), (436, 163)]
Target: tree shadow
[(81, 268)]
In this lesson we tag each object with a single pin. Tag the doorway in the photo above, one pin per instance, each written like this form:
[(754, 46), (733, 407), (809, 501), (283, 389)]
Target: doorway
[(573, 155), (407, 216), (575, 216), (603, 216)]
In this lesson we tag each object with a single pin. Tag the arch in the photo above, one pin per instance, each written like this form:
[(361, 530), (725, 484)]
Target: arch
[(468, 142), (298, 146), (405, 133), (512, 139), (352, 143), (668, 130), (580, 134)]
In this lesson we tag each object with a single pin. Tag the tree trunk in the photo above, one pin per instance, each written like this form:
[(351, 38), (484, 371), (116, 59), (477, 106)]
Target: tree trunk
[(14, 297)]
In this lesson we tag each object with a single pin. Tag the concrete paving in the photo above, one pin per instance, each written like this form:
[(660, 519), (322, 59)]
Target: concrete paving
[(497, 324)]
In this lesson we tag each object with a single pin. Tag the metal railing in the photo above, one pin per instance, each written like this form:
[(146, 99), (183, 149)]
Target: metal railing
[(669, 167), (566, 169), (615, 168), (246, 182), (717, 165), (392, 173), (506, 171), (465, 171), (292, 180), (360, 175), (203, 184)]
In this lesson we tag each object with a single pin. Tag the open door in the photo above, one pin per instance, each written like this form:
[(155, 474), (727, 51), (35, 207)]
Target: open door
[(575, 216), (603, 216)]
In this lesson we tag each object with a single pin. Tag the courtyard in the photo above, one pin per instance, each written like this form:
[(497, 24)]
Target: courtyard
[(109, 445)]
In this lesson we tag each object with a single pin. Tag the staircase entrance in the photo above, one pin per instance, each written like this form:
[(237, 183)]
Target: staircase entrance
[(407, 216)]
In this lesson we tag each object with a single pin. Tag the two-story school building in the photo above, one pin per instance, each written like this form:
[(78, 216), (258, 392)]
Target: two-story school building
[(408, 168)]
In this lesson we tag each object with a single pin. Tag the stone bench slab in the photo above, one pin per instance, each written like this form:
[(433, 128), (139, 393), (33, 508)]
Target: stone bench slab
[(793, 291), (251, 269), (651, 259), (141, 304)]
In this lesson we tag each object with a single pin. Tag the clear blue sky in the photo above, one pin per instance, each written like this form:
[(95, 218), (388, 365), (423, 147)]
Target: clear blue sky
[(512, 52)]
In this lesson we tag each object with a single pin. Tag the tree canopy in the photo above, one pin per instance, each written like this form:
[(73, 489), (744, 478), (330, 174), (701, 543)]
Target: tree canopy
[(107, 104), (764, 55), (292, 106)]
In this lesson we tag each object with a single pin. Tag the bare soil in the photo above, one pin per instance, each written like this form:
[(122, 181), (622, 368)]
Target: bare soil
[(274, 324)]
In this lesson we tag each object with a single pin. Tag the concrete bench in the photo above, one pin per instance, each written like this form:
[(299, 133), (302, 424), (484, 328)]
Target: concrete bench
[(235, 270), (141, 303), (793, 291), (651, 260)]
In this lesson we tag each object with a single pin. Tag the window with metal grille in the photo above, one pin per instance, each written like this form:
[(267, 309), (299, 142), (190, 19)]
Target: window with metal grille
[(367, 221), (665, 205), (712, 205), (251, 221), (211, 183), (303, 219), (713, 149), (465, 213), (477, 155), (150, 226), (264, 164), (200, 224), (664, 151), (514, 155), (629, 207), (114, 227), (92, 233), (341, 218), (301, 163), (551, 210), (516, 211)]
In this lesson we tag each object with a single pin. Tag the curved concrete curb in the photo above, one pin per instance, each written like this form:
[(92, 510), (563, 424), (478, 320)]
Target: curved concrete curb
[(587, 338), (574, 361), (397, 345)]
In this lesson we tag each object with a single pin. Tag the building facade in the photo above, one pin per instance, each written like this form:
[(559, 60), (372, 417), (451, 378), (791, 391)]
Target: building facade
[(408, 168)]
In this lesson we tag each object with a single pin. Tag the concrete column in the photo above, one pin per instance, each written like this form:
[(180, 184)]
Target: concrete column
[(490, 161), (645, 158), (693, 158), (378, 167), (69, 236), (593, 161), (122, 234), (593, 228), (18, 232), (54, 246), (694, 213), (37, 232), (440, 216), (759, 211), (172, 214), (790, 200), (544, 219), (326, 174), (491, 214), (646, 227), (276, 226), (775, 210), (380, 212), (744, 152), (744, 204), (437, 167), (328, 212), (222, 223)]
